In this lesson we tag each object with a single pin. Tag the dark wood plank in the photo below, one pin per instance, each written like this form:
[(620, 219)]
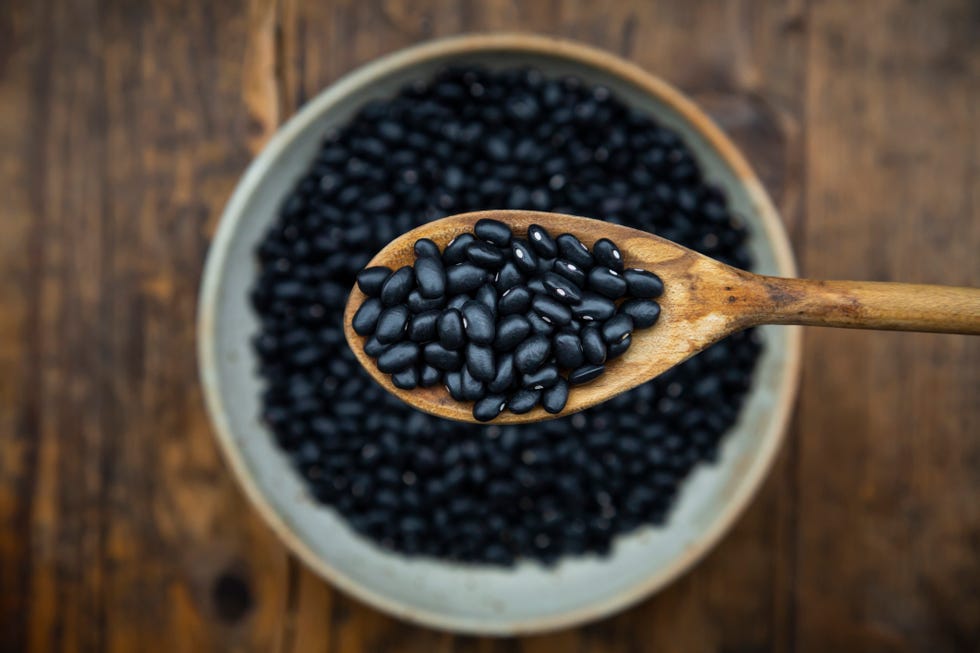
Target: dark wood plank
[(889, 527)]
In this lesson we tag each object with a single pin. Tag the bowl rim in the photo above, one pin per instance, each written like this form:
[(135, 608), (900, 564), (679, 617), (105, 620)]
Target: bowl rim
[(365, 74)]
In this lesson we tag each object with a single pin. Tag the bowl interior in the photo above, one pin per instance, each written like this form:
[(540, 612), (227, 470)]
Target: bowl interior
[(472, 599)]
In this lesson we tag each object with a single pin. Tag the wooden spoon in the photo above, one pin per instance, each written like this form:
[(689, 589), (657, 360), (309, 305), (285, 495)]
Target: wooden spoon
[(703, 301)]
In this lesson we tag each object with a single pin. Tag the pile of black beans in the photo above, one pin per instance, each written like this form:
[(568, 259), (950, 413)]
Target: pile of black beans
[(472, 139), (497, 318)]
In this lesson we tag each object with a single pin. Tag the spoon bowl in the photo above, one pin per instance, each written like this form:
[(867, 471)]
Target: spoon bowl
[(704, 300)]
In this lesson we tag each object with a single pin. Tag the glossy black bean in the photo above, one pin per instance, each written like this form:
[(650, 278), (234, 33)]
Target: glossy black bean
[(594, 308), (523, 256), (551, 310), (392, 324), (398, 357), (472, 387), (607, 282), (487, 256), (515, 300), (480, 362), (365, 320), (489, 407), (419, 304), (645, 312), (454, 385), (450, 328), (619, 347), (593, 346), (572, 249), (430, 277), (422, 327), (568, 350), (458, 302), (492, 231), (561, 288), (373, 348), (532, 353), (447, 360), (511, 331), (429, 376), (523, 401), (570, 271), (455, 252), (370, 280), (407, 379), (505, 376), (539, 325), (542, 242), (553, 399), (396, 287), (464, 278), (425, 247), (585, 374), (487, 295), (606, 253), (508, 277), (616, 328), (643, 283), (478, 323), (543, 378)]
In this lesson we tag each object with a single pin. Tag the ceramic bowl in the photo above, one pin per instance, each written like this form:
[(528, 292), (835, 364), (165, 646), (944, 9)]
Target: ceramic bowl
[(485, 600)]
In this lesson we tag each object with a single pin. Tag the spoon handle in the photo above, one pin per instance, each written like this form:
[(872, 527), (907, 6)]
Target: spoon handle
[(870, 305)]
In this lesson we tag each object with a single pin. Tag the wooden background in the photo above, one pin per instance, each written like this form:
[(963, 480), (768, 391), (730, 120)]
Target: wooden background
[(123, 128)]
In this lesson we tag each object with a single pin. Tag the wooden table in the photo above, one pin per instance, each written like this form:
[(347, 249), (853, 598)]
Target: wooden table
[(123, 128)]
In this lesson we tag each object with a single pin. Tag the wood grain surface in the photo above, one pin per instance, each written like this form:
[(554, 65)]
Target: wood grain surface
[(123, 128)]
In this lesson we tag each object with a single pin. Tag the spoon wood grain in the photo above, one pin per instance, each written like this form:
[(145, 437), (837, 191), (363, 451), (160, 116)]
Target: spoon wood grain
[(704, 300)]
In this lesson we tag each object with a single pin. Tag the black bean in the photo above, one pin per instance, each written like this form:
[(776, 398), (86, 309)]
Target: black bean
[(644, 312), (454, 385), (391, 324), (523, 401), (573, 250), (505, 376), (472, 386), (542, 242), (407, 379), (593, 346), (450, 329), (585, 374), (543, 378), (607, 254), (426, 247), (553, 399), (431, 277), (523, 256), (539, 325), (365, 320), (487, 296), (373, 348), (422, 327), (485, 255), (568, 350), (479, 362), (458, 302), (370, 280), (594, 308), (396, 288), (419, 304), (398, 357), (492, 231), (455, 251), (643, 284), (561, 288), (508, 277), (489, 407), (616, 328), (478, 323), (429, 376), (570, 271), (447, 360), (511, 331), (551, 310), (536, 285), (464, 278), (607, 282), (515, 300), (619, 347), (531, 353)]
